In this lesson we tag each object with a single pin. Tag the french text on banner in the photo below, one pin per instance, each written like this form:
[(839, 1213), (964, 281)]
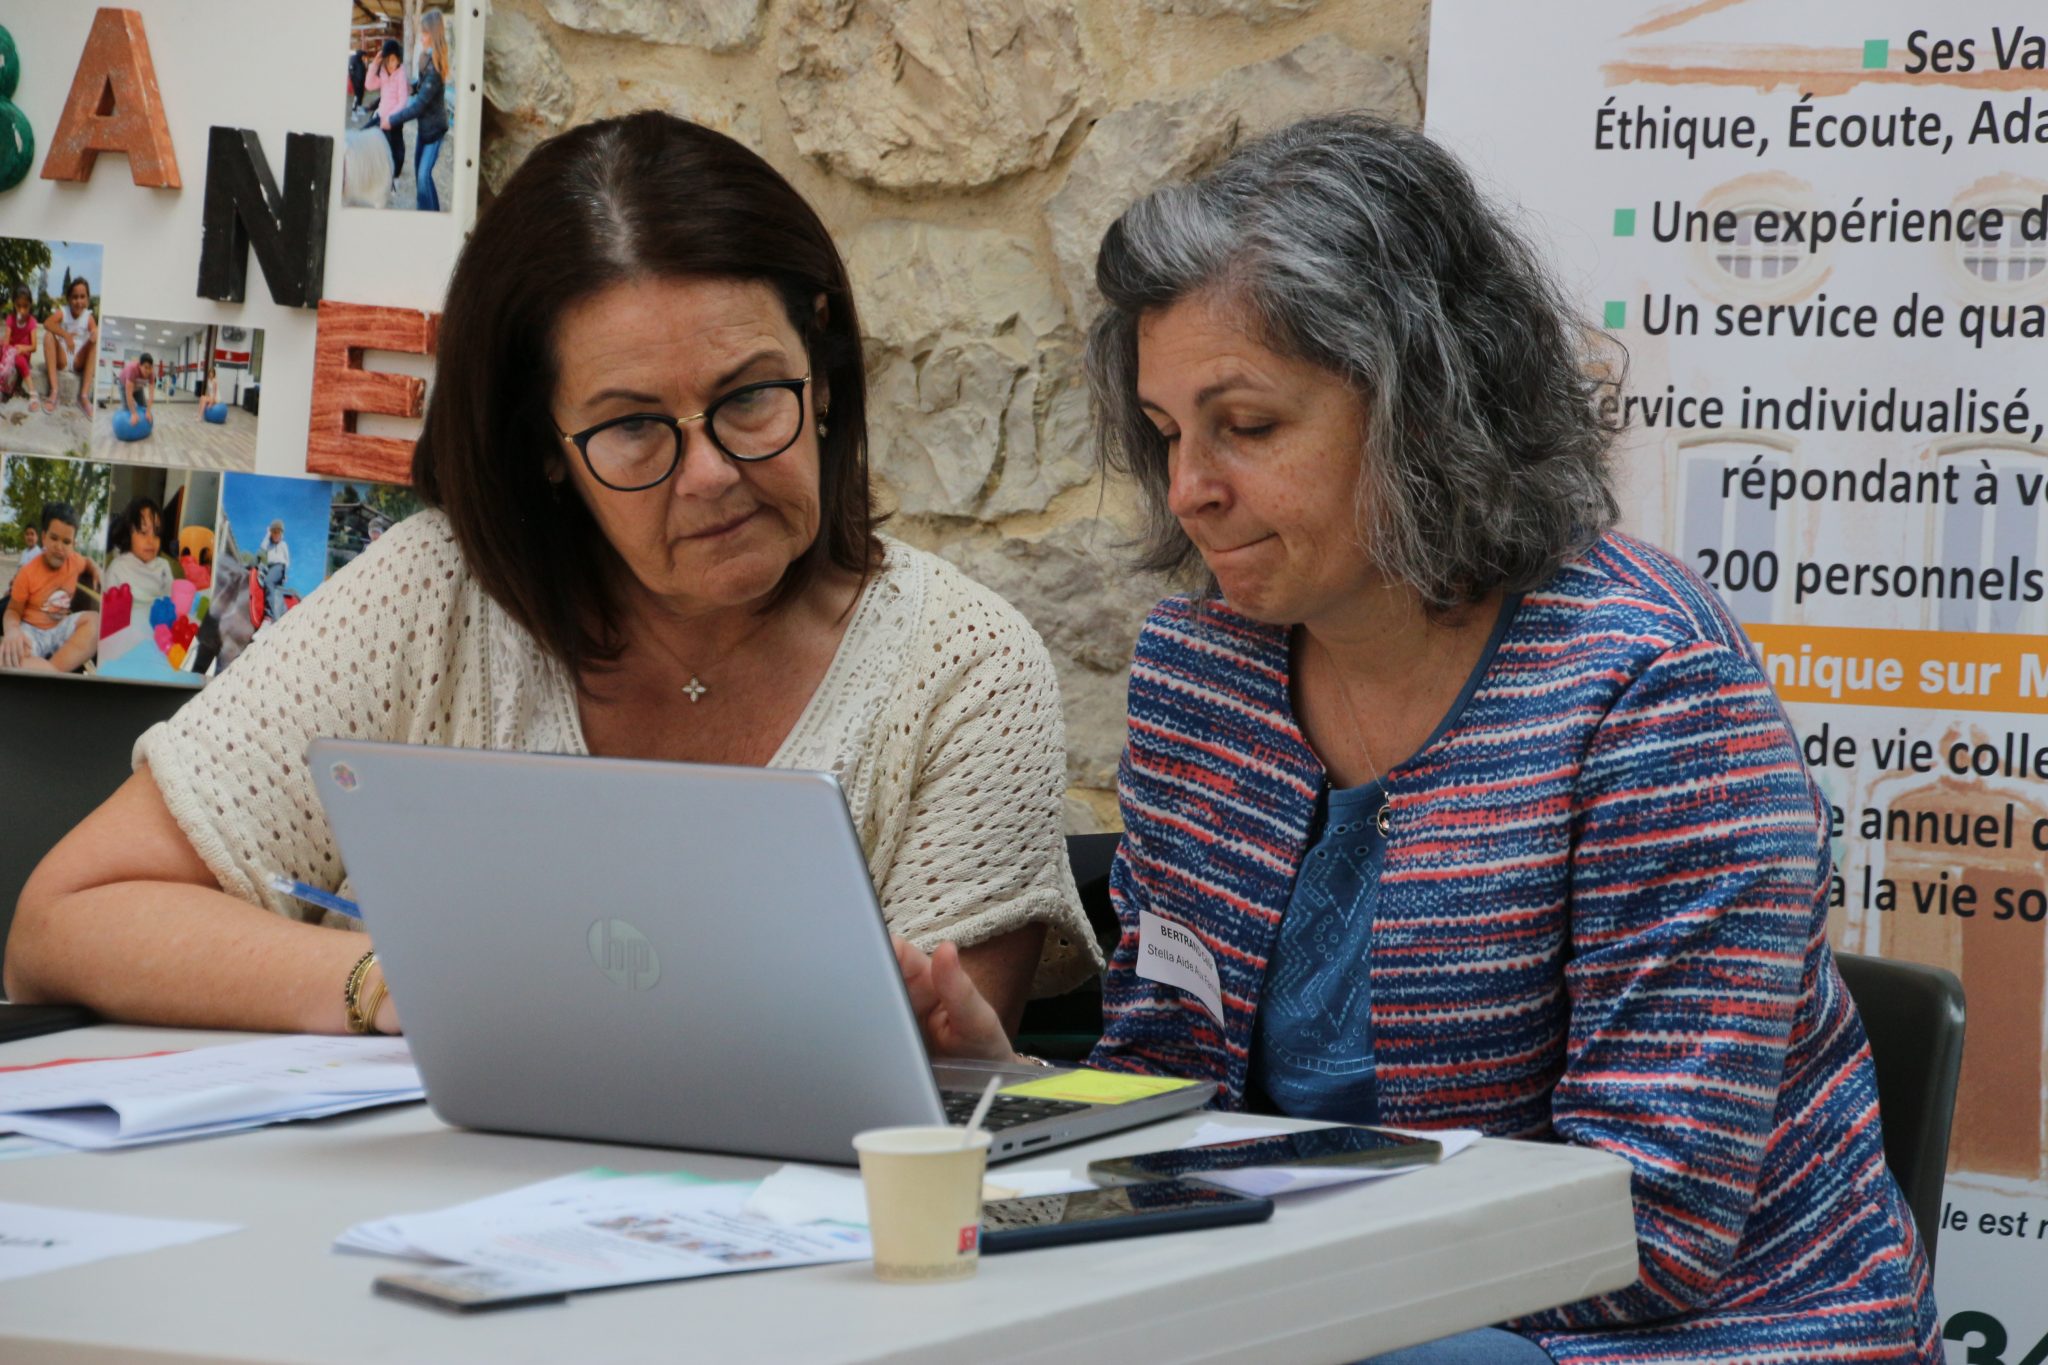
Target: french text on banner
[(1915, 669)]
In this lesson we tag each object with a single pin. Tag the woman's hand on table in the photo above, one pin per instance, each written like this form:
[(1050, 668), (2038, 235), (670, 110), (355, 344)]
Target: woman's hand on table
[(954, 1017)]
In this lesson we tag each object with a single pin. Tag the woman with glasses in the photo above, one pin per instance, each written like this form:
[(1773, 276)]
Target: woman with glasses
[(650, 365)]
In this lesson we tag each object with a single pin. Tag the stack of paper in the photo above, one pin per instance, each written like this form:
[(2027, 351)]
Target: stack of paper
[(598, 1228), (208, 1090)]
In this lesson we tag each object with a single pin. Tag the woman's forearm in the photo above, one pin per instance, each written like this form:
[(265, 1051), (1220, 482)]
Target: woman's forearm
[(175, 954), (124, 916)]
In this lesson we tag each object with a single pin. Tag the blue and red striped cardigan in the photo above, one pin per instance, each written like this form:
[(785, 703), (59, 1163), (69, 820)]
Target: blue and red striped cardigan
[(1601, 920)]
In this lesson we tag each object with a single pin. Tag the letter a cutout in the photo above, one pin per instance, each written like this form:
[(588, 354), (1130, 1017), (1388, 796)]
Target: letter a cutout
[(114, 106)]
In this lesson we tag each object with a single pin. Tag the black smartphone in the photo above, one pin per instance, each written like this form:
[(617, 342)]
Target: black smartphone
[(1339, 1146), (1046, 1220)]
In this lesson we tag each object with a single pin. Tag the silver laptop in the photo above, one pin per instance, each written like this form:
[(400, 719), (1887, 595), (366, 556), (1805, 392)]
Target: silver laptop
[(662, 953)]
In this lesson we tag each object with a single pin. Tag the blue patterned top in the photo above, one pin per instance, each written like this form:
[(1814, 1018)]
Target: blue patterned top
[(1313, 1049), (1313, 1045)]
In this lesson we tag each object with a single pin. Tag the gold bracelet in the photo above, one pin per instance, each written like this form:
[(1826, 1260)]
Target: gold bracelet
[(351, 995), (373, 1004)]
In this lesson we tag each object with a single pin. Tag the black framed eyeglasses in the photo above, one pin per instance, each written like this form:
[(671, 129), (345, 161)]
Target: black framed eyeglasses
[(754, 422)]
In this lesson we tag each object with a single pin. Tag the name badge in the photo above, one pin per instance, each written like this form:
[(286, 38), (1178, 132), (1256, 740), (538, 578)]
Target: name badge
[(1173, 956)]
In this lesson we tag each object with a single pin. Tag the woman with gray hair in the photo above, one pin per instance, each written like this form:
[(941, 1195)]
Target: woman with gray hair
[(1482, 811)]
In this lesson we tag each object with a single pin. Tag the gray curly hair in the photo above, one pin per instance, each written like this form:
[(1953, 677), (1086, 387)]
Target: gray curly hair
[(1366, 249)]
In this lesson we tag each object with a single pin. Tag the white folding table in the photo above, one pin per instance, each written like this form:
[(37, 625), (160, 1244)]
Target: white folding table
[(1504, 1228)]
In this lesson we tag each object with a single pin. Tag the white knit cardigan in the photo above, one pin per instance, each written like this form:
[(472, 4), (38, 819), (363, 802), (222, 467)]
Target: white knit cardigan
[(940, 715)]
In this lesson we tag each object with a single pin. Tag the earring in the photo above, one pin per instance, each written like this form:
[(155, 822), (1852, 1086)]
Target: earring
[(822, 428)]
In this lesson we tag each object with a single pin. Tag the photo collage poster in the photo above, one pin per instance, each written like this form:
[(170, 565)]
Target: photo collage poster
[(153, 551), (159, 507)]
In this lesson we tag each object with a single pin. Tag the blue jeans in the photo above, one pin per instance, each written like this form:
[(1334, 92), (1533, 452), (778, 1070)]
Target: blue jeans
[(273, 592), (1487, 1346), (423, 158)]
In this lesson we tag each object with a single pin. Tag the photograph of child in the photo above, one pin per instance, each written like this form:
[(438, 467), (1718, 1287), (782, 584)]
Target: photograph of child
[(50, 622), (178, 393), (50, 349), (398, 111), (18, 355), (159, 573), (269, 554), (360, 514)]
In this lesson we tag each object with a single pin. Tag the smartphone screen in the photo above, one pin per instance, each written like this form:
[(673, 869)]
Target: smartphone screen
[(1340, 1146), (1117, 1211)]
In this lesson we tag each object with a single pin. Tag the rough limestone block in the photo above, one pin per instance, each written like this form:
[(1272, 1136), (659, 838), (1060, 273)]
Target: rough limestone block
[(1251, 11), (932, 94), (343, 389), (1133, 151), (1075, 587), (976, 408), (114, 106), (523, 74), (716, 25)]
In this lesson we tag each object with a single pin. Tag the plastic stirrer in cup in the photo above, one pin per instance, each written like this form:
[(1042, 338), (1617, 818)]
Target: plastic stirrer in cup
[(988, 1097)]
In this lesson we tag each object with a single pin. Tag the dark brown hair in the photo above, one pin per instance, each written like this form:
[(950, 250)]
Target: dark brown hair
[(647, 196), (122, 536)]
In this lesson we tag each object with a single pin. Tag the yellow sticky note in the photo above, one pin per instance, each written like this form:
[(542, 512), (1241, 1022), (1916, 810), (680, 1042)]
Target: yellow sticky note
[(1096, 1087)]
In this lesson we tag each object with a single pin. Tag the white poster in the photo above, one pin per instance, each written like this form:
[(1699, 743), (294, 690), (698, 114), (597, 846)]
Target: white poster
[(226, 228), (1821, 233)]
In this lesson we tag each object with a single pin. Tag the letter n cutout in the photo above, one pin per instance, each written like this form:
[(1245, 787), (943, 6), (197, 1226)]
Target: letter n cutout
[(342, 389), (114, 106), (243, 210)]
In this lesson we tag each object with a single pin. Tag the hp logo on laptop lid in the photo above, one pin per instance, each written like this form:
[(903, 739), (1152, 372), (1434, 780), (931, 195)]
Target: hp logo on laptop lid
[(623, 954)]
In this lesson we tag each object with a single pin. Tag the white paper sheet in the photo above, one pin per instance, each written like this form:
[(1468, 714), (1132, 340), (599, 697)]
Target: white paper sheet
[(391, 1236), (597, 1228), (795, 1195), (207, 1090), (1031, 1184), (1268, 1181), (19, 1148), (34, 1238)]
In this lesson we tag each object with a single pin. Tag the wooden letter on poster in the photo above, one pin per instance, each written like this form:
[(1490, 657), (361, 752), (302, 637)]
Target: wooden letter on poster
[(243, 210), (342, 388), (114, 106)]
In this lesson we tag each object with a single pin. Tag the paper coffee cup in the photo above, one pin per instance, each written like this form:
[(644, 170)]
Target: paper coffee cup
[(924, 1201)]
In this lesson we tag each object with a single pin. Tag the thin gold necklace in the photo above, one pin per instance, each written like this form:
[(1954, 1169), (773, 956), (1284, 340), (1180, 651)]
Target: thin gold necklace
[(1384, 818), (696, 688)]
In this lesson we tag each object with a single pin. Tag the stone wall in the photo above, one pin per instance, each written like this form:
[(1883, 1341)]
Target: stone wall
[(968, 155)]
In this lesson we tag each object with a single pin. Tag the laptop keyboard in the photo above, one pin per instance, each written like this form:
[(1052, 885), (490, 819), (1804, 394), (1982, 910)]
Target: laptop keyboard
[(1007, 1111)]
